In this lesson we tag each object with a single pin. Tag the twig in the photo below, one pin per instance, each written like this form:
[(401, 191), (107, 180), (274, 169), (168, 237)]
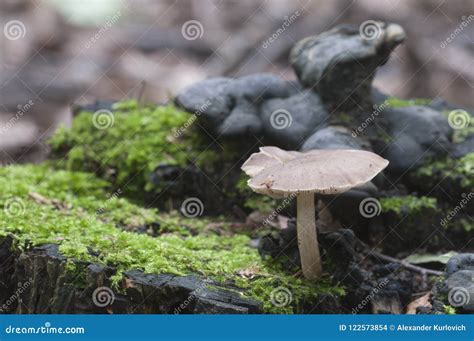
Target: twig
[(405, 264)]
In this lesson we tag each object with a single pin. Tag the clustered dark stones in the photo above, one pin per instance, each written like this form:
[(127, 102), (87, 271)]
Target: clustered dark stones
[(332, 105)]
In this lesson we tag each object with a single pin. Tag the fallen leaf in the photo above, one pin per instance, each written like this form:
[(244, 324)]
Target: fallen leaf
[(430, 258), (423, 301)]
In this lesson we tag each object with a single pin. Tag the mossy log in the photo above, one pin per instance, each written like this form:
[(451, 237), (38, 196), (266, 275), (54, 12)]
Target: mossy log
[(53, 289), (64, 231)]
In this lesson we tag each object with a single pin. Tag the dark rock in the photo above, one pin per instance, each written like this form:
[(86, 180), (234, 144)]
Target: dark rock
[(258, 87), (418, 133), (463, 261), (460, 289), (457, 288), (294, 87), (378, 97), (242, 120), (208, 98), (287, 122), (230, 107), (334, 137), (340, 64)]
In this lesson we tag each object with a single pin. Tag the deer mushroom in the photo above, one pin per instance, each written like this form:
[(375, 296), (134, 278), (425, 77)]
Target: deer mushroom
[(279, 173)]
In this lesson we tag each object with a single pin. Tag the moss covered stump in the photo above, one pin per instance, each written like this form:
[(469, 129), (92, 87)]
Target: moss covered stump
[(64, 232)]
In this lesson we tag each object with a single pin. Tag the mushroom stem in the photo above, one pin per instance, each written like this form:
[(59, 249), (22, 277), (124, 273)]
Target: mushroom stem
[(307, 237)]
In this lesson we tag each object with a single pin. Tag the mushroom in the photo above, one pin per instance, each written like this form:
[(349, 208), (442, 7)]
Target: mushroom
[(279, 173)]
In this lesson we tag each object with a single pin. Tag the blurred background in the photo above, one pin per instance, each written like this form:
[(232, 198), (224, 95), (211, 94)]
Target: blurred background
[(58, 53)]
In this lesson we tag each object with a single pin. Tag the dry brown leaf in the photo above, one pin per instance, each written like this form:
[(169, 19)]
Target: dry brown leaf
[(249, 273), (42, 200), (423, 301)]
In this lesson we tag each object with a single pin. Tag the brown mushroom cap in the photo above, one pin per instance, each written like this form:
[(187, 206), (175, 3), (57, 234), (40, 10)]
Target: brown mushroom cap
[(276, 172)]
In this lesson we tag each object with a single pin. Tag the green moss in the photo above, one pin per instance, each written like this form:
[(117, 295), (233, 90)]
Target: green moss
[(410, 204), (345, 118), (449, 310), (253, 200), (127, 150), (462, 169), (395, 102), (460, 224), (39, 205)]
